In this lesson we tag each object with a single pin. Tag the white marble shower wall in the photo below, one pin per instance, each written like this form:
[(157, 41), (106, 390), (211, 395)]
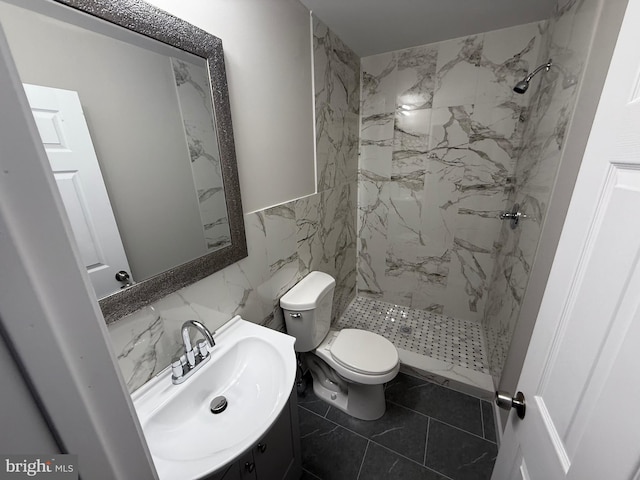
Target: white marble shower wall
[(197, 116), (285, 242), (567, 41), (439, 137)]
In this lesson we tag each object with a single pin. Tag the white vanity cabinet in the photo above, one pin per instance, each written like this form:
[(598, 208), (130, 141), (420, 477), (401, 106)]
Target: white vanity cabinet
[(275, 457)]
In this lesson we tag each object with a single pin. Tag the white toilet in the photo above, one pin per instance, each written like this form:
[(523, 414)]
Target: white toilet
[(349, 367)]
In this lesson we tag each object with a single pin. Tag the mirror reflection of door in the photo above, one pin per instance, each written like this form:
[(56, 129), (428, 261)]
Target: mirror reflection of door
[(65, 136)]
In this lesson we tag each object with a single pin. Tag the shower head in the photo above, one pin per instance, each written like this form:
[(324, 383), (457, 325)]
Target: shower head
[(523, 85)]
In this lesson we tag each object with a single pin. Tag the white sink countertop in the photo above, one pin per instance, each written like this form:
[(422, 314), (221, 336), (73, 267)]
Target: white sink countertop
[(254, 367)]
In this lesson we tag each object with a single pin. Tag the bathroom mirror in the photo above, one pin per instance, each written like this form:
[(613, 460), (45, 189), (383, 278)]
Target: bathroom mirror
[(151, 91)]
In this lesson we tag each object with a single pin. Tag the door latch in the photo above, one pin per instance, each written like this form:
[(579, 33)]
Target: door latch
[(507, 402)]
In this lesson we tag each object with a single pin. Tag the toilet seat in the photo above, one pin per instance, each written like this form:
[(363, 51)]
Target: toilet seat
[(364, 352), (355, 340)]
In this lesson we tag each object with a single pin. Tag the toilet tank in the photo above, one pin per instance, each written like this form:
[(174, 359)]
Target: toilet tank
[(307, 310)]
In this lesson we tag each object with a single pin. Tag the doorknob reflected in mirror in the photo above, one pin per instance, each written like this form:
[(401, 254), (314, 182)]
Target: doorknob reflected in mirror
[(507, 402), (123, 277), (514, 215)]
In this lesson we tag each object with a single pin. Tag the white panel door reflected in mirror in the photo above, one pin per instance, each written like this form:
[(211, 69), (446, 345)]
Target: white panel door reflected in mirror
[(148, 108), (67, 142)]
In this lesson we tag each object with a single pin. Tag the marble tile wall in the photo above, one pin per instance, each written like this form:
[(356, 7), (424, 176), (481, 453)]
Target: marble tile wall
[(439, 137), (337, 101), (284, 242), (197, 115), (567, 42), (337, 109)]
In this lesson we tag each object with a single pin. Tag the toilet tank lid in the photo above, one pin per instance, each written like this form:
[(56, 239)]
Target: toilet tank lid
[(308, 292)]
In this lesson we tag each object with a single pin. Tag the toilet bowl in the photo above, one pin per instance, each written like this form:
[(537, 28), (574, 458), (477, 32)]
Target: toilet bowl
[(350, 366)]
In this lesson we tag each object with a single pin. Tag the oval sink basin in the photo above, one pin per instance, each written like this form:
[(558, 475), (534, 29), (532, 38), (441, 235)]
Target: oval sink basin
[(253, 367)]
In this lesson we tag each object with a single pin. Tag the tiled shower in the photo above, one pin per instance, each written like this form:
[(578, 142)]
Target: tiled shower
[(446, 146), (447, 339), (434, 145), (440, 135), (441, 130)]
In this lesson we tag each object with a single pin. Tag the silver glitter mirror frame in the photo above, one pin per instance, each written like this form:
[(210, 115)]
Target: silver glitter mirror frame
[(147, 20)]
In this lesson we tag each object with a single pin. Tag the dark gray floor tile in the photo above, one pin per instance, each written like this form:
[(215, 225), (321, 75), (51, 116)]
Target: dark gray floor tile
[(308, 476), (329, 451), (488, 419), (449, 406), (311, 402), (383, 464), (399, 429), (458, 454)]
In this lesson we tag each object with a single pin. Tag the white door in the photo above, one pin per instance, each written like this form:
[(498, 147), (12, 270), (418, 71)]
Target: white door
[(581, 376), (65, 135), (48, 315)]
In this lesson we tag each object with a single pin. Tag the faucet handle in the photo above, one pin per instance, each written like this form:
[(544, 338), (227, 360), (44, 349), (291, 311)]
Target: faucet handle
[(176, 368), (191, 358), (202, 349)]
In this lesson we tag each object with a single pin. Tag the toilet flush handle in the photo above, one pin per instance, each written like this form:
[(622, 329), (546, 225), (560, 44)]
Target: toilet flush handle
[(295, 315)]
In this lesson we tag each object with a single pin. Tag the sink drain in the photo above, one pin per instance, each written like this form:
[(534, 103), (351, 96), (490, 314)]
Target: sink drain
[(218, 405), (405, 329)]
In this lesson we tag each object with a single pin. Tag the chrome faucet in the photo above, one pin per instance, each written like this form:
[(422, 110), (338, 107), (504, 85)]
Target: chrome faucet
[(194, 357)]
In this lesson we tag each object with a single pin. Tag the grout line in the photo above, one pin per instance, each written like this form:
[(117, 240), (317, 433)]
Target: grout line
[(338, 424), (410, 409), (412, 461), (484, 433), (363, 457), (365, 438), (426, 442), (319, 400), (463, 430), (431, 382), (309, 473), (441, 421), (446, 477), (310, 411)]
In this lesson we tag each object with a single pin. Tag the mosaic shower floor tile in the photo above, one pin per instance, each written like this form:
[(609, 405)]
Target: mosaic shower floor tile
[(459, 342)]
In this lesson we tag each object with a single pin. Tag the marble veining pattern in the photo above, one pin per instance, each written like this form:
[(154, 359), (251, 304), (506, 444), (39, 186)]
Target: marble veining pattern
[(566, 39), (337, 105), (284, 242), (197, 115), (142, 346), (440, 135)]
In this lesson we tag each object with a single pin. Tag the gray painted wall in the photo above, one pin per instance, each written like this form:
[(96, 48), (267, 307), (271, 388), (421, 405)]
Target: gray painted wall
[(267, 52), (139, 140)]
